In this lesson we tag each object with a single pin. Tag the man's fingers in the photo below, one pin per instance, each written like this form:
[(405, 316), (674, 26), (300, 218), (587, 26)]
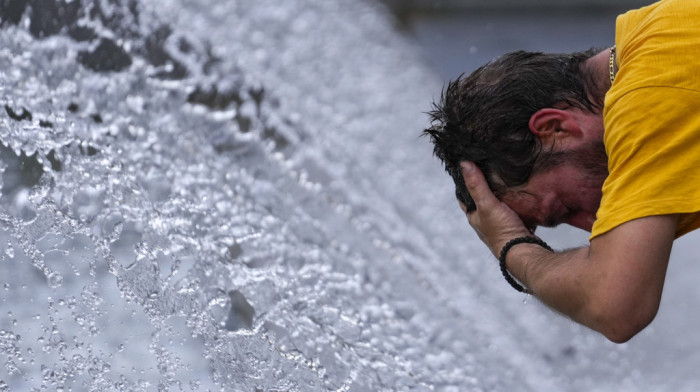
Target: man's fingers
[(476, 185)]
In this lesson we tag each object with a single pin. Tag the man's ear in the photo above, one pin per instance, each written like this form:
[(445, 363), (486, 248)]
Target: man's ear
[(553, 125)]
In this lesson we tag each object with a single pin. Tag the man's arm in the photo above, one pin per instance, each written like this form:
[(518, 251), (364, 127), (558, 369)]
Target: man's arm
[(612, 286)]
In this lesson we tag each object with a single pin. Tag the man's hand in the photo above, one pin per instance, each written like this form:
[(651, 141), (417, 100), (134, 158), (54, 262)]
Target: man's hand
[(493, 220)]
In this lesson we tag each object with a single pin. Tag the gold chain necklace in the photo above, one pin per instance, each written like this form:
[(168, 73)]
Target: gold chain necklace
[(612, 64)]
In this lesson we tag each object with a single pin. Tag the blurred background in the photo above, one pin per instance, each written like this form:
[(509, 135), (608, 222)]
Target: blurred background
[(459, 35)]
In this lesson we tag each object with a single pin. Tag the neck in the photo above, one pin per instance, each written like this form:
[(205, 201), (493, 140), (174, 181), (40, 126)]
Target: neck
[(599, 66)]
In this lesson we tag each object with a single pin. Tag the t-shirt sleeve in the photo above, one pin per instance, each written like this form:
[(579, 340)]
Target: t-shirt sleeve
[(652, 139)]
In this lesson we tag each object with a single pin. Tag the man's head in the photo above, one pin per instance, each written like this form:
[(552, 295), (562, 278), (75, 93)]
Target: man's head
[(486, 117)]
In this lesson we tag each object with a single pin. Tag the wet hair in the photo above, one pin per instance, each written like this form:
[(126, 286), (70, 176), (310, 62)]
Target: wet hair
[(484, 117)]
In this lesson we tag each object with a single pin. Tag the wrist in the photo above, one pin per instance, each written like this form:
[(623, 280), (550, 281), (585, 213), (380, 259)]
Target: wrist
[(502, 255), (504, 239)]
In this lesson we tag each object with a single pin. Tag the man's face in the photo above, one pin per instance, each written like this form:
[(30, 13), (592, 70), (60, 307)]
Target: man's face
[(568, 193)]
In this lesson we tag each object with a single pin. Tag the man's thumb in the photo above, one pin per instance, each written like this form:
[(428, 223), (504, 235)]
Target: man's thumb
[(474, 181), (467, 167)]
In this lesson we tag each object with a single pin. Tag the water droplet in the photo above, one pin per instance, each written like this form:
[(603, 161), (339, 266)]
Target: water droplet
[(54, 279), (116, 232), (241, 313), (9, 250), (175, 267)]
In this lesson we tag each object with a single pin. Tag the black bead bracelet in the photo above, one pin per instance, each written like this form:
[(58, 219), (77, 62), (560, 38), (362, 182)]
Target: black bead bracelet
[(504, 252)]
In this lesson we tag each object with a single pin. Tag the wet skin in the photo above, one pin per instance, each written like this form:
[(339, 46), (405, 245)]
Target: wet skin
[(565, 194)]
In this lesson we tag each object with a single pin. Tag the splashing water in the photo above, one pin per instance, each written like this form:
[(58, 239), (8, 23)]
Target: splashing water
[(232, 196)]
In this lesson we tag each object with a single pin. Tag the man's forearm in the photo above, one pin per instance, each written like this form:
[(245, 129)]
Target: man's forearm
[(559, 280), (613, 286)]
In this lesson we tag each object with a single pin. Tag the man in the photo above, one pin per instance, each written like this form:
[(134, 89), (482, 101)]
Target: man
[(607, 141)]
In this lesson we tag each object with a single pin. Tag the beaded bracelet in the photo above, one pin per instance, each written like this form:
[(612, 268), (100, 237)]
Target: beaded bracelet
[(504, 251)]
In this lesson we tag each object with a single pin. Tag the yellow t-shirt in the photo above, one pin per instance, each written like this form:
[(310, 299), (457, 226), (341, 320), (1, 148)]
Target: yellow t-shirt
[(652, 118)]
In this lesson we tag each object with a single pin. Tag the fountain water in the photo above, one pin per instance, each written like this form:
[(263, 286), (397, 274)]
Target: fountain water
[(232, 196)]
